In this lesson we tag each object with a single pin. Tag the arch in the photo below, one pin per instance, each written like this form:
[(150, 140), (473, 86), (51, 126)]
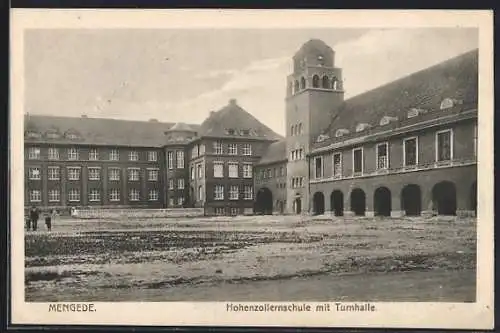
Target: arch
[(473, 198), (358, 202), (318, 203), (326, 82), (334, 83), (444, 198), (315, 81), (411, 200), (337, 202), (296, 86), (302, 83), (382, 201), (297, 206), (264, 201)]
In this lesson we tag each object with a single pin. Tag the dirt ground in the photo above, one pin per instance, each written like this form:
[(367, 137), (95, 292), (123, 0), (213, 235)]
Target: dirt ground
[(266, 258)]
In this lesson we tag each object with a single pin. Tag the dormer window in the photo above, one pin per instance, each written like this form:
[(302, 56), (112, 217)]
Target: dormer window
[(245, 132), (53, 135), (387, 119), (362, 127), (33, 135), (447, 103), (322, 137), (414, 112), (230, 131), (71, 135), (341, 132)]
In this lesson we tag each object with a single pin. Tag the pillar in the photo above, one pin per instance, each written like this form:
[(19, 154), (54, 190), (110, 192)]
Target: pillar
[(428, 209), (396, 209), (369, 206), (463, 193)]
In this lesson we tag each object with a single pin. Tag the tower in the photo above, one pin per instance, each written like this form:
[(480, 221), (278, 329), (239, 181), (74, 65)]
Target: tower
[(314, 93)]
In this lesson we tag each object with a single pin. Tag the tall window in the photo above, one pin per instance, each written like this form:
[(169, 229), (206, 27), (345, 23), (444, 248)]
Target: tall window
[(199, 167), (73, 154), (74, 195), (94, 173), (444, 146), (152, 156), (133, 195), (282, 171), (219, 192), (53, 154), (180, 183), (114, 194), (153, 195), (170, 160), (218, 148), (248, 192), (233, 149), (337, 165), (246, 149), (218, 169), (180, 159), (35, 195), (202, 149), (93, 155), (171, 202), (180, 201), (318, 167), (171, 184), (114, 174), (357, 157), (54, 195), (133, 156), (410, 157), (233, 170), (247, 170), (53, 172), (133, 174), (34, 173), (382, 156), (114, 155), (94, 195), (233, 192), (194, 151), (73, 173), (34, 153), (200, 193), (192, 173), (153, 175)]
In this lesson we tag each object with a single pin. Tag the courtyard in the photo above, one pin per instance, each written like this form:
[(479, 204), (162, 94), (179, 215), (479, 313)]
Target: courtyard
[(254, 258)]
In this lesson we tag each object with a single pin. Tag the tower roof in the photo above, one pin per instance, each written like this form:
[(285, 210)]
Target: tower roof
[(313, 46)]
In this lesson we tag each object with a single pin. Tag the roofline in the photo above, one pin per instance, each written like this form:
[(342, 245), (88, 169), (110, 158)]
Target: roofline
[(284, 160)]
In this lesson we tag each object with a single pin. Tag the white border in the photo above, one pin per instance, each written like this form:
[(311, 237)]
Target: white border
[(477, 315)]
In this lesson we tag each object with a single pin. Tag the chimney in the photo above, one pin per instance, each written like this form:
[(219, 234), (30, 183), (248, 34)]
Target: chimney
[(232, 101)]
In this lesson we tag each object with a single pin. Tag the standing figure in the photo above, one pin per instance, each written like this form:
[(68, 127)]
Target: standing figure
[(48, 221), (28, 222), (34, 215)]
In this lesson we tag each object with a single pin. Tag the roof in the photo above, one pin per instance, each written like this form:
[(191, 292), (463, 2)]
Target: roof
[(100, 131), (456, 78), (234, 122), (181, 127), (276, 152), (313, 44)]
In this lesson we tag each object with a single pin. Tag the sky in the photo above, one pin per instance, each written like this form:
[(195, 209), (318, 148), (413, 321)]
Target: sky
[(181, 75)]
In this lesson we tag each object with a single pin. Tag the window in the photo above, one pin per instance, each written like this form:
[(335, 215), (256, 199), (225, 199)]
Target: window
[(73, 154), (234, 211), (180, 159), (73, 173), (219, 211), (114, 195), (194, 151), (233, 149), (444, 146), (133, 174), (318, 167), (93, 155), (34, 153), (268, 173), (410, 156), (53, 154), (218, 148), (200, 193), (233, 192), (248, 192), (246, 149), (357, 157), (180, 183), (94, 173), (170, 160), (337, 165), (202, 149), (192, 173), (54, 195), (247, 170), (180, 201), (34, 173), (233, 169), (475, 140), (35, 195), (114, 174), (133, 156), (152, 156), (153, 195), (153, 175), (53, 172), (199, 167), (133, 195), (94, 195), (171, 184), (74, 195), (114, 155), (218, 169), (219, 192), (171, 202), (382, 156)]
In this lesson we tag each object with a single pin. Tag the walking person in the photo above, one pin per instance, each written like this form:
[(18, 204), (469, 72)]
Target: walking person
[(28, 222), (34, 215), (48, 221)]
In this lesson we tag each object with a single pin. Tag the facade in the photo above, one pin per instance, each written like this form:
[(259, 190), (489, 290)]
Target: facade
[(406, 148)]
